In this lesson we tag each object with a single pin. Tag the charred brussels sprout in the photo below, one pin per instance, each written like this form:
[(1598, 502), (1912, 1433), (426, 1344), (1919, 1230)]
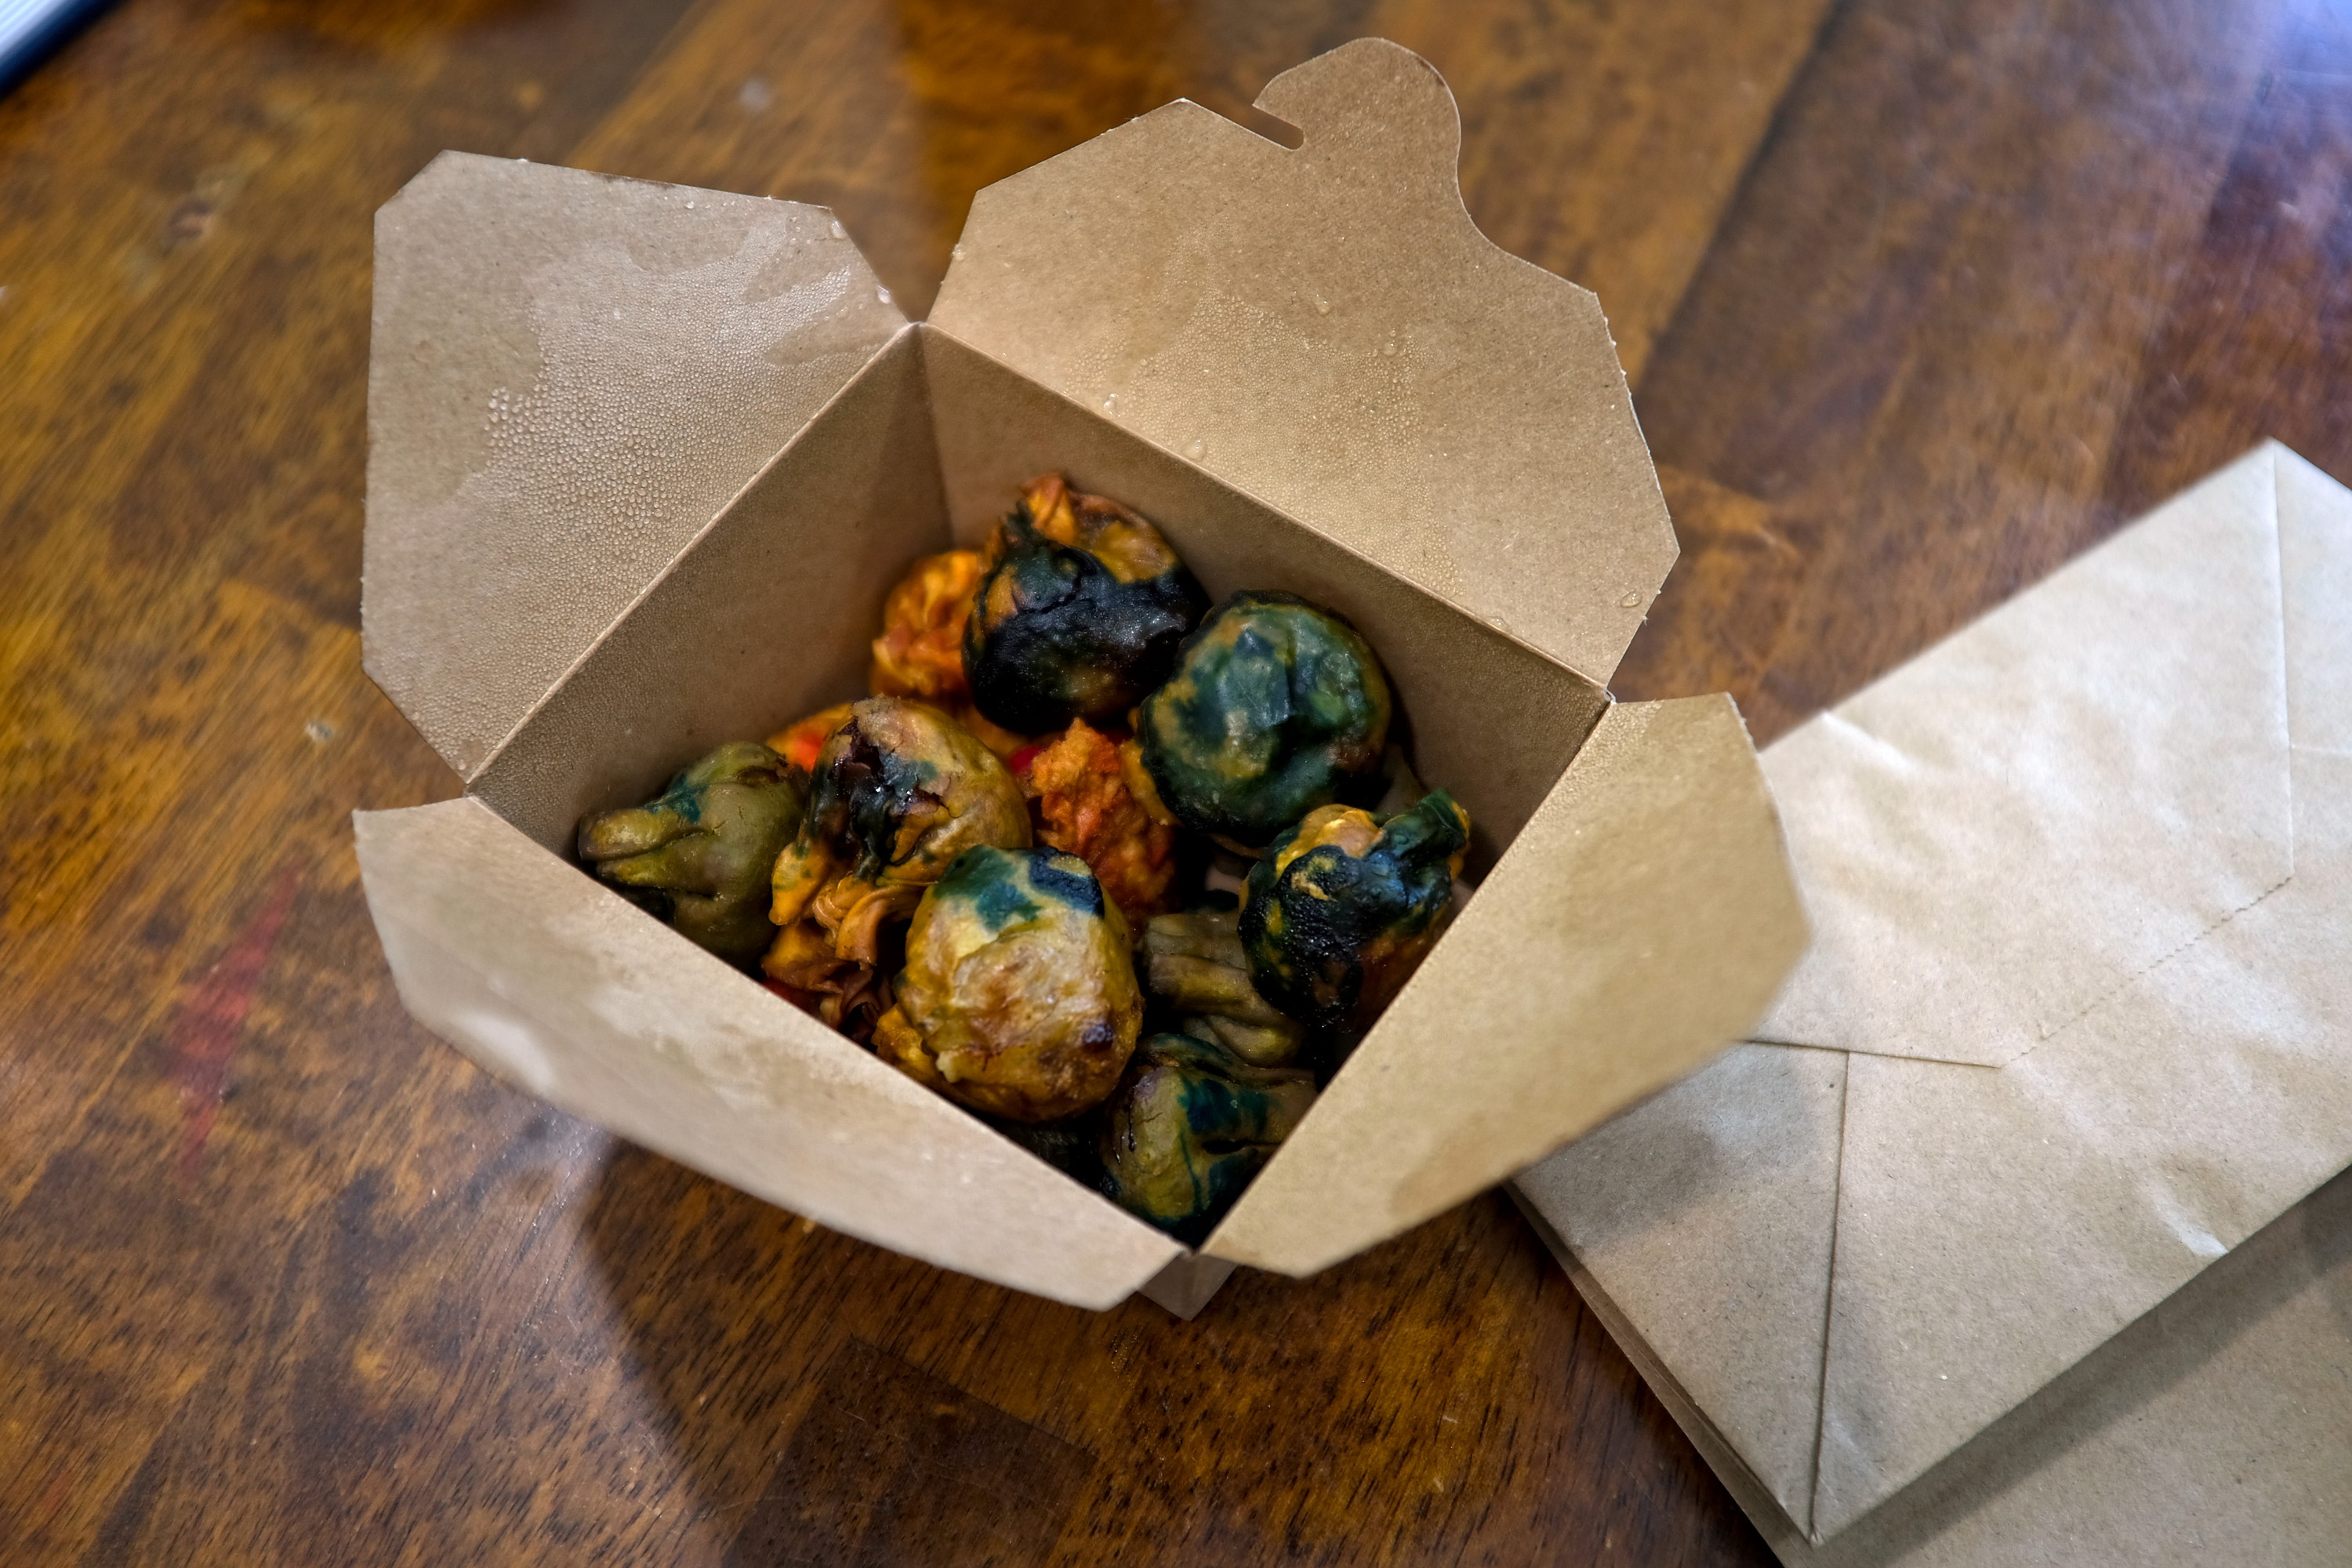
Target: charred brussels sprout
[(1194, 963), (1343, 907), (1189, 1127), (700, 856), (1081, 606), (1019, 996), (1277, 706), (899, 791)]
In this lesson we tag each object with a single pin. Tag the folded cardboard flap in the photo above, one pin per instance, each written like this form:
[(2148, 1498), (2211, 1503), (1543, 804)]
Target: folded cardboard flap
[(2192, 1437), (1710, 1210), (1326, 329), (571, 374), (569, 618), (561, 987), (761, 620)]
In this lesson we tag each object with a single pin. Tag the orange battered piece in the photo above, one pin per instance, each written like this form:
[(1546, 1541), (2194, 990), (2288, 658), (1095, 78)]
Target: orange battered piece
[(800, 744), (920, 651), (1082, 801)]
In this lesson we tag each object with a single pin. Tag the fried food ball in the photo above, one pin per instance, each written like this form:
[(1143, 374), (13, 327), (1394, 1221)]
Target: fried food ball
[(1080, 608), (1189, 1127), (700, 855), (920, 650), (1276, 706), (1194, 961), (1343, 907), (799, 743), (1079, 791), (1019, 995), (898, 792)]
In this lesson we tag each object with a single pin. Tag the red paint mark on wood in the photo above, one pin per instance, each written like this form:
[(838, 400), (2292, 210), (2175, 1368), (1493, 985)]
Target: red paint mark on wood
[(211, 1021), (60, 1487)]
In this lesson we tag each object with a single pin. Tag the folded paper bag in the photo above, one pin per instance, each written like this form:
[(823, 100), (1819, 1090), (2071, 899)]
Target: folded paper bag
[(2076, 1022), (643, 460)]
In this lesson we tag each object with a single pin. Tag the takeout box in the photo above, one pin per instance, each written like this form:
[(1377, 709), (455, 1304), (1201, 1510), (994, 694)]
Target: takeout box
[(644, 461), (1976, 1255)]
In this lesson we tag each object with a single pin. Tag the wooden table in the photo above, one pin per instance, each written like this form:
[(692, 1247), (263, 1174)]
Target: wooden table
[(1920, 298)]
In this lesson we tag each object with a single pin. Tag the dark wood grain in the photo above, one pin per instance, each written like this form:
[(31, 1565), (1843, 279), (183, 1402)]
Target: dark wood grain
[(1922, 296), (1922, 327)]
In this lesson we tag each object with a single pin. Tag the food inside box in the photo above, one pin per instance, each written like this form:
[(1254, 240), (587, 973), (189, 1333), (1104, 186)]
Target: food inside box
[(1125, 874)]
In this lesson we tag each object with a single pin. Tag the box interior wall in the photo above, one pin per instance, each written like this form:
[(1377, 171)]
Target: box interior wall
[(767, 615)]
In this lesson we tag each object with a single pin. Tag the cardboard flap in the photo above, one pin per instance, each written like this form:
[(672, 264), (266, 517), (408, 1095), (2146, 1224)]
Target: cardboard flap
[(556, 985), (1326, 329), (1996, 1227), (1706, 1215), (1642, 918), (1997, 836), (571, 376)]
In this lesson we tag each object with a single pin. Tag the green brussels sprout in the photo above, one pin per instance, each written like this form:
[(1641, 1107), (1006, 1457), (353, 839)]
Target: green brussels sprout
[(1080, 608), (1195, 964), (1277, 706), (1019, 996), (1189, 1127), (700, 855), (1343, 907)]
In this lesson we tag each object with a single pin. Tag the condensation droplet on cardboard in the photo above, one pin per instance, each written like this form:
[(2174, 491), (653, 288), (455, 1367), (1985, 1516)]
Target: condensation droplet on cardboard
[(839, 232), (883, 295), (1110, 403), (1197, 450), (1631, 602), (1322, 307), (1388, 348)]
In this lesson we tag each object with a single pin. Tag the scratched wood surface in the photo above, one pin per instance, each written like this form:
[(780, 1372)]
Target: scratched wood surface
[(1920, 297)]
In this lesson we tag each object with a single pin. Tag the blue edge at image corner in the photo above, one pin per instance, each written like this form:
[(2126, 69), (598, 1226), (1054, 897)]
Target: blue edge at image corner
[(33, 30)]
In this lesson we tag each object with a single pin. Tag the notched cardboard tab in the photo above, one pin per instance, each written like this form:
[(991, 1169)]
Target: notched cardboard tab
[(571, 374), (556, 985), (1326, 330), (1640, 921)]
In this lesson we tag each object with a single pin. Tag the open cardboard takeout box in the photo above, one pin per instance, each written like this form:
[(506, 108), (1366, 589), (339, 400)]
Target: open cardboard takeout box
[(644, 459)]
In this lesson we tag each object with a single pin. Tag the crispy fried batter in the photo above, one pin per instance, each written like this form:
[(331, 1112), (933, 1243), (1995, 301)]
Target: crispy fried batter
[(799, 743), (920, 650), (1082, 800)]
